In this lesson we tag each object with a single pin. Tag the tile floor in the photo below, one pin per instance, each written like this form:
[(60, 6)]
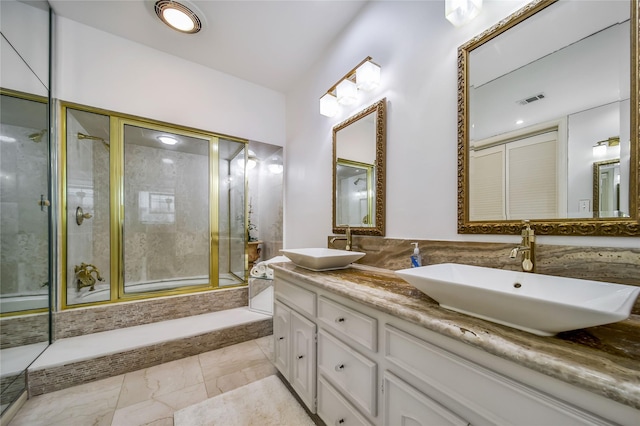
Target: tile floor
[(150, 396)]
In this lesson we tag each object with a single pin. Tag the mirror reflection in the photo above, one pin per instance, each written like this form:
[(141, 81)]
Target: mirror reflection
[(542, 108), (358, 172), (606, 189), (355, 193)]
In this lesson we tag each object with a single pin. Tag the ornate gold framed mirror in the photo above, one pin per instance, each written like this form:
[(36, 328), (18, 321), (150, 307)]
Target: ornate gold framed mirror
[(359, 146), (540, 94)]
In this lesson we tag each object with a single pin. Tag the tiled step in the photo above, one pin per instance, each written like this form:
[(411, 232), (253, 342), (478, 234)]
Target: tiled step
[(76, 360)]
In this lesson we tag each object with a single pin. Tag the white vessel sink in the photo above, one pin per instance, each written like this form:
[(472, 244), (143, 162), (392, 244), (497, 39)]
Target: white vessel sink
[(539, 304), (322, 259)]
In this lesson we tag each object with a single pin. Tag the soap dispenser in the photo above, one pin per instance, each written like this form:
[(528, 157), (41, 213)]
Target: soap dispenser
[(416, 258)]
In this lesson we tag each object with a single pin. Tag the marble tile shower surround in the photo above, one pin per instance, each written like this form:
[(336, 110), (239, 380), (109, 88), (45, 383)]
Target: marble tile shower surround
[(616, 265), (24, 226), (160, 246), (95, 319)]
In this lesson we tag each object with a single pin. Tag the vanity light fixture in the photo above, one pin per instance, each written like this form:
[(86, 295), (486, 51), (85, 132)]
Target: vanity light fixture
[(168, 140), (459, 12), (600, 148), (178, 16), (365, 76)]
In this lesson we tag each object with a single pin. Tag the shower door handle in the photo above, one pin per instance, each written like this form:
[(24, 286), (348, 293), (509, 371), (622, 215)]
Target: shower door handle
[(43, 202)]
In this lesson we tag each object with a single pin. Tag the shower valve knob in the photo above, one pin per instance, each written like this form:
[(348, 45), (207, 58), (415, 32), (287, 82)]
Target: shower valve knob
[(43, 202)]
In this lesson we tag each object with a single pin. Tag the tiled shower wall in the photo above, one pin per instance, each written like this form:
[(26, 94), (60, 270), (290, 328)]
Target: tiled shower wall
[(609, 264), (158, 244)]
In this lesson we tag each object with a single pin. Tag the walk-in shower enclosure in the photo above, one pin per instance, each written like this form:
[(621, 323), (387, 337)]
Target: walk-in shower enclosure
[(150, 209)]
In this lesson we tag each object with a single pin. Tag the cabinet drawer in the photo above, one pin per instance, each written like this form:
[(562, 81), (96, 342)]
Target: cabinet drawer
[(405, 405), (296, 297), (351, 324), (350, 372), (334, 410), (462, 385)]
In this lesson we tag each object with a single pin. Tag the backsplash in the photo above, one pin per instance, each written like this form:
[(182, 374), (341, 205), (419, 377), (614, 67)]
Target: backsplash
[(616, 265)]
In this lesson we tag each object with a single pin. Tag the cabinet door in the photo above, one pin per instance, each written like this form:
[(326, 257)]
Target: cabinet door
[(303, 359), (282, 338), (404, 405)]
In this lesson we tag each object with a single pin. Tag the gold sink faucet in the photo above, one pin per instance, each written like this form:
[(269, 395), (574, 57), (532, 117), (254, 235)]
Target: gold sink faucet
[(347, 238), (527, 247)]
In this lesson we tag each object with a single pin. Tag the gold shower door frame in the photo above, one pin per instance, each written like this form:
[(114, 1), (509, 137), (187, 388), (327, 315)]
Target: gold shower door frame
[(117, 208)]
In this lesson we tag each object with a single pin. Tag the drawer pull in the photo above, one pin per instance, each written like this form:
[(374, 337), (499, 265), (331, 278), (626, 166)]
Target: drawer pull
[(340, 319), (339, 367), (280, 338), (339, 422), (300, 356)]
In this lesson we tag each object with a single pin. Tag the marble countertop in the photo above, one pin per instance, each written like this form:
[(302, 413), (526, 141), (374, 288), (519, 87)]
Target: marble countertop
[(604, 360)]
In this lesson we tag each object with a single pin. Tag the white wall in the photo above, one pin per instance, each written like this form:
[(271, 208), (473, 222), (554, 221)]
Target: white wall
[(417, 49), (101, 70)]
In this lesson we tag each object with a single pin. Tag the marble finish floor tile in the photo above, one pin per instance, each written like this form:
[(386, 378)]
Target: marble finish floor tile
[(88, 404), (152, 395)]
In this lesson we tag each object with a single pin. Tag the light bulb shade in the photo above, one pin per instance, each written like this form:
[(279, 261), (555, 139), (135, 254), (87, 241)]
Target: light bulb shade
[(328, 105), (459, 12), (368, 76), (600, 150), (347, 92)]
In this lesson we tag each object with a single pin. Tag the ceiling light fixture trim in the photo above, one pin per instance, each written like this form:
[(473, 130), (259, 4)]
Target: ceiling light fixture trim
[(178, 16)]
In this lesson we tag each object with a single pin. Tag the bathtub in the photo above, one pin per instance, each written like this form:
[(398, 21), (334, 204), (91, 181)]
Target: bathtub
[(23, 303)]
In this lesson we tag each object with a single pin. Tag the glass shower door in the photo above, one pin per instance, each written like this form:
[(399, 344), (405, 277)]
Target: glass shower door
[(232, 207), (87, 227), (168, 218)]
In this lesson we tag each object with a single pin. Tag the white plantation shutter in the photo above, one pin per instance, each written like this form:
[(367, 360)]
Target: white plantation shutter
[(515, 180), (486, 190), (532, 177)]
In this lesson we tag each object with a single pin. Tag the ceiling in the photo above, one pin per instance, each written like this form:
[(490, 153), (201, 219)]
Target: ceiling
[(270, 43)]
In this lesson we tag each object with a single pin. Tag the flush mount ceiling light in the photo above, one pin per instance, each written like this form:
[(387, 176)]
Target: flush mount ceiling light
[(178, 16), (365, 76), (459, 12)]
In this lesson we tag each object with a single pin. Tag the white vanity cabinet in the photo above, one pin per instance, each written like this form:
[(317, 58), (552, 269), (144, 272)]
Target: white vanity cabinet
[(460, 392), (295, 344), (369, 367)]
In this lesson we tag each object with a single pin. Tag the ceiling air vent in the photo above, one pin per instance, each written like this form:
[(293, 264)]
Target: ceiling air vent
[(530, 99)]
